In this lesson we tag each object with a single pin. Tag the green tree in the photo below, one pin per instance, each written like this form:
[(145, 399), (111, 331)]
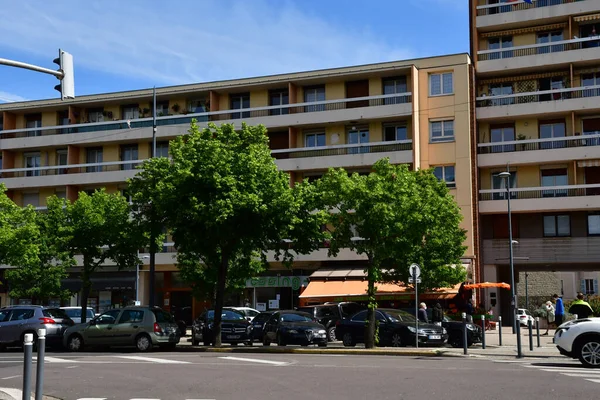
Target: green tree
[(226, 205), (394, 217), (40, 278), (99, 228)]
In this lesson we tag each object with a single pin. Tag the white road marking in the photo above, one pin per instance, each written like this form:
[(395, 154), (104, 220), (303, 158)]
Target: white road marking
[(72, 366), (11, 377), (582, 375), (92, 398), (560, 370), (593, 380), (153, 360), (15, 393), (255, 360), (57, 360)]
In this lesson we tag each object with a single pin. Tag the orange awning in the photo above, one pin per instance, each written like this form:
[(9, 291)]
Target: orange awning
[(355, 288), (483, 285)]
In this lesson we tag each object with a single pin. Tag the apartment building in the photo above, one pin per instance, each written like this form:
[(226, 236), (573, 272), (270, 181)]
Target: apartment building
[(415, 112), (538, 116)]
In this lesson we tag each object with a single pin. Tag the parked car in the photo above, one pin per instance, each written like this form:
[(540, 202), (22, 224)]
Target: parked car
[(294, 327), (235, 328), (329, 314), (455, 330), (524, 315), (142, 327), (258, 323), (248, 312), (580, 339), (397, 328), (75, 313), (16, 321)]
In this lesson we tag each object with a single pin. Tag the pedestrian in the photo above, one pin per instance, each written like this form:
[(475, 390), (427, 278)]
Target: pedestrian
[(559, 310), (550, 317), (422, 314), (437, 314), (470, 310), (581, 307)]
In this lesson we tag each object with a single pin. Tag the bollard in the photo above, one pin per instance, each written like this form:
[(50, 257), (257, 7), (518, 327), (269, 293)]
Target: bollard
[(530, 327), (575, 316), (499, 330), (483, 331), (465, 344), (537, 331), (27, 351), (41, 352)]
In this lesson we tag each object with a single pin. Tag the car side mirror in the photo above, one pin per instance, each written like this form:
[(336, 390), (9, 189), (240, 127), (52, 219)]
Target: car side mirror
[(93, 321)]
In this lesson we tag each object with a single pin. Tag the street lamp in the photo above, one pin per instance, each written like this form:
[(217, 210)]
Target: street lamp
[(137, 276), (513, 292)]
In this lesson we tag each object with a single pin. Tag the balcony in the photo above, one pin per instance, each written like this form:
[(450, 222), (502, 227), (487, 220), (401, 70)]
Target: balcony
[(299, 114), (343, 156), (540, 199), (543, 102), (563, 250), (537, 151), (536, 57), (520, 14)]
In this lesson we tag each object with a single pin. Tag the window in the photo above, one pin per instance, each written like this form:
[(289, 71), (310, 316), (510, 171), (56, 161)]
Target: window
[(313, 94), (548, 84), (33, 121), (499, 183), (63, 119), (395, 132), (61, 194), (589, 286), (31, 199), (551, 130), (590, 80), (1, 166), (131, 316), (589, 30), (548, 37), (20, 314), (358, 136), (96, 115), (131, 112), (279, 98), (129, 152), (593, 221), (557, 225), (108, 317), (194, 106), (441, 84), (162, 149), (501, 89), (162, 108), (554, 177), (93, 156), (445, 174), (240, 101), (441, 131), (497, 43), (361, 316), (502, 134), (61, 159), (393, 86), (32, 160), (314, 139)]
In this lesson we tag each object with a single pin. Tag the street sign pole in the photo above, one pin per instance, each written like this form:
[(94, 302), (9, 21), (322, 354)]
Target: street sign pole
[(415, 276)]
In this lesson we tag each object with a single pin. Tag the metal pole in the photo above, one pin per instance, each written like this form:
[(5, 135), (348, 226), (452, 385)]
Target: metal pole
[(527, 290), (510, 258), (530, 327), (465, 346), (27, 353), (152, 268), (137, 279), (41, 352), (483, 332), (499, 330), (154, 129), (537, 329), (416, 311), (19, 64)]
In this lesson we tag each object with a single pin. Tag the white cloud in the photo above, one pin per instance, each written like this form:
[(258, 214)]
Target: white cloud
[(189, 41), (10, 97)]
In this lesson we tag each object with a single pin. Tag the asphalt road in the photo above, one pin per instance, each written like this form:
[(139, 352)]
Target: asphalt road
[(172, 375)]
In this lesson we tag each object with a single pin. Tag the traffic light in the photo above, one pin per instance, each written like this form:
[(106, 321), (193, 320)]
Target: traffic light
[(66, 87)]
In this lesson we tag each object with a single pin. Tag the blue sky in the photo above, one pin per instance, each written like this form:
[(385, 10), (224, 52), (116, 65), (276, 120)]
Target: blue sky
[(134, 44)]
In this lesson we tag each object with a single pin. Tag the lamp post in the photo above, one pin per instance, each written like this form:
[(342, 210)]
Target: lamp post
[(527, 290), (513, 293)]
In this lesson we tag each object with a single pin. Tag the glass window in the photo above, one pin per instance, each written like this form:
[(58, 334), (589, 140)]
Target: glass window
[(498, 43), (557, 225), (19, 314), (194, 106), (441, 84), (393, 86), (131, 316), (295, 318), (32, 160), (108, 317), (4, 315), (96, 115), (314, 139), (442, 131), (31, 199), (279, 98), (129, 153), (312, 95), (93, 156), (131, 112), (240, 101), (552, 130), (162, 149), (503, 134), (229, 315), (55, 313), (61, 159), (395, 132), (593, 224), (162, 108), (162, 316), (501, 89), (33, 121), (554, 177), (361, 316), (445, 174)]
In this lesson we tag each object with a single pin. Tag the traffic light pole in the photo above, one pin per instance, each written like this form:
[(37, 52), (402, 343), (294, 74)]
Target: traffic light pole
[(11, 63), (152, 271)]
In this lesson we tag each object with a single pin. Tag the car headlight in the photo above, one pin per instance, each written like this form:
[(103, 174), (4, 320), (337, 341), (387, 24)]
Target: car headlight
[(444, 331), (293, 331), (249, 328), (471, 327), (413, 330), (322, 332)]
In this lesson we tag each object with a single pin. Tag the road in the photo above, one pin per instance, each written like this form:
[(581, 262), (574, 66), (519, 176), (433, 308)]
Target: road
[(219, 376)]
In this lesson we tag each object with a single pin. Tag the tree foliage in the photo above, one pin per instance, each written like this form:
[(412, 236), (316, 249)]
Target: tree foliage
[(395, 217), (226, 204)]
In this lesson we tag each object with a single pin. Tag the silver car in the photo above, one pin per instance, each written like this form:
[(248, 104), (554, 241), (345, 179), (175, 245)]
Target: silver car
[(16, 321), (142, 327), (75, 313)]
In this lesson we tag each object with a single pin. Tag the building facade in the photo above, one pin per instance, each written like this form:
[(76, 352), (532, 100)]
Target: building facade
[(416, 112), (538, 117)]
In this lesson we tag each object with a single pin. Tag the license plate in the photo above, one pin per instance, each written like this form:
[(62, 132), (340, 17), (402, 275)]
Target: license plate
[(434, 337), (233, 336)]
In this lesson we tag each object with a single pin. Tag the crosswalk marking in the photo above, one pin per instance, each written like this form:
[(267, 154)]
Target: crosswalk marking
[(593, 380), (573, 370), (57, 360), (153, 360), (255, 360)]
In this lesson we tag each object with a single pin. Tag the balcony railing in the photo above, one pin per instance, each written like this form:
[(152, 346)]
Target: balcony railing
[(539, 49), (344, 149), (70, 169), (540, 144), (539, 96), (541, 192), (498, 8), (267, 111)]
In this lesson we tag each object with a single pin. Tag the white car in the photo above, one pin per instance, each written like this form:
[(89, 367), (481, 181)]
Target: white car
[(75, 313), (524, 315), (580, 339), (248, 312)]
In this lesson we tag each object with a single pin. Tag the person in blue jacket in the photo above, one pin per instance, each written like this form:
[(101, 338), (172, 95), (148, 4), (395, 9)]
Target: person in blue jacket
[(559, 312)]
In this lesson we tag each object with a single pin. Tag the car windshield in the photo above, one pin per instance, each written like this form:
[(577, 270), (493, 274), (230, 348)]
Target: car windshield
[(76, 312), (399, 316), (54, 313), (350, 309), (295, 318), (162, 316), (229, 315), (262, 317)]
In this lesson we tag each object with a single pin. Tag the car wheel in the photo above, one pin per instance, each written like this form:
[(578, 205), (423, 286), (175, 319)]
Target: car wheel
[(331, 334), (397, 340), (589, 352), (348, 340), (75, 343), (266, 341), (280, 340), (143, 343)]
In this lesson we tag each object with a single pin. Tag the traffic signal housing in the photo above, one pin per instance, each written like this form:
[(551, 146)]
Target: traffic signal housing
[(66, 87)]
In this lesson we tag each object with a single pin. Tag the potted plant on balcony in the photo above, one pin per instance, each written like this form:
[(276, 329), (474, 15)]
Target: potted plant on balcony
[(521, 147), (146, 112), (176, 107)]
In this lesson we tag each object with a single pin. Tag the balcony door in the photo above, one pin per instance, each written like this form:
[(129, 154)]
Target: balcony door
[(588, 80), (592, 177), (555, 177), (498, 43), (502, 133), (591, 126), (590, 30), (358, 136), (499, 183), (554, 83), (550, 130), (357, 89), (548, 37)]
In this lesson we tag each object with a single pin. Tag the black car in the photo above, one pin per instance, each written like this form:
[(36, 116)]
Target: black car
[(396, 328), (294, 327), (455, 330), (258, 323), (329, 314), (234, 328)]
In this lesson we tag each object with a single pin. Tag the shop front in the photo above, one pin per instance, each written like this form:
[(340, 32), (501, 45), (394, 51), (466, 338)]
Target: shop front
[(279, 292), (109, 290)]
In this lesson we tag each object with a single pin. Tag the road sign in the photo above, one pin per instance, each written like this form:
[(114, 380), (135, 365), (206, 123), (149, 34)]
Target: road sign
[(411, 280), (414, 271)]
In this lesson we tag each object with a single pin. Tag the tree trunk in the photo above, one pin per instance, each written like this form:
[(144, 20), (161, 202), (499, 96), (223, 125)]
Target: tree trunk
[(219, 300), (85, 289), (370, 327)]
